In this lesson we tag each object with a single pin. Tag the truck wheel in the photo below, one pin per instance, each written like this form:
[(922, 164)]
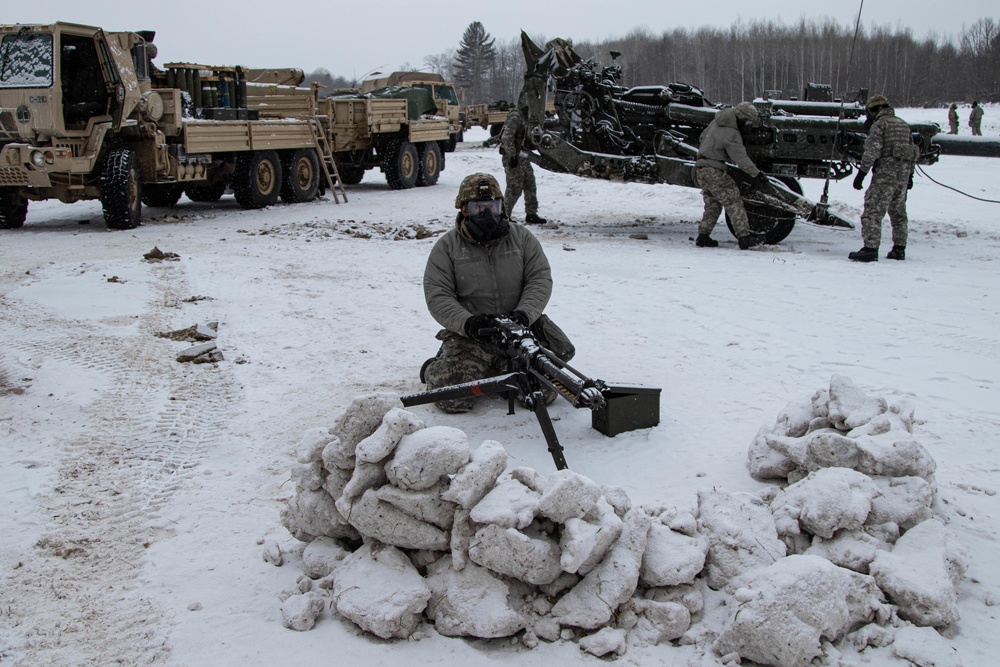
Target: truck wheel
[(161, 194), (350, 175), (452, 142), (257, 179), (13, 209), (301, 176), (430, 164), (205, 193), (120, 189), (401, 166)]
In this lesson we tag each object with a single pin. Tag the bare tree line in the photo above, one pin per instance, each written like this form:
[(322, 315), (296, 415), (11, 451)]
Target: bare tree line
[(742, 61)]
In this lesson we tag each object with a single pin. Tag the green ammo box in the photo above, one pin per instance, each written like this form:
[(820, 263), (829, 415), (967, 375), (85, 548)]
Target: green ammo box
[(627, 409)]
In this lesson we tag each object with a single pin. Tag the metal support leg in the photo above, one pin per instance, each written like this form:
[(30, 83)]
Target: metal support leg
[(545, 422)]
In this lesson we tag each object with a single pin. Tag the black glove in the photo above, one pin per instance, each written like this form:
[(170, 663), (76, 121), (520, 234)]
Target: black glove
[(513, 162), (909, 185), (760, 180), (859, 180), (520, 317), (475, 324)]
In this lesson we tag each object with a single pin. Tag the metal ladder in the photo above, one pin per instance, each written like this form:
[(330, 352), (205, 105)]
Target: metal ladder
[(326, 160)]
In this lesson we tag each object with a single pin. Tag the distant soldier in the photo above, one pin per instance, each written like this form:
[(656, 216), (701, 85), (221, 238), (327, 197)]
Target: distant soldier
[(722, 143), (953, 118), (517, 168), (890, 151), (976, 119)]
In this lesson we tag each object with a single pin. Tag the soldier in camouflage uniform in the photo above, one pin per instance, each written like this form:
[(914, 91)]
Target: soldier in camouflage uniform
[(483, 267), (953, 118), (722, 143), (890, 151), (517, 168), (976, 119)]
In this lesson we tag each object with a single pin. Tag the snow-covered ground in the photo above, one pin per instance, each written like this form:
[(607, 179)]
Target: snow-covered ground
[(141, 494)]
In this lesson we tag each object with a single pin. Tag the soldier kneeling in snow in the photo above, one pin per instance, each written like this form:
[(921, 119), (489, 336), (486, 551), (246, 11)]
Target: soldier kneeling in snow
[(484, 267)]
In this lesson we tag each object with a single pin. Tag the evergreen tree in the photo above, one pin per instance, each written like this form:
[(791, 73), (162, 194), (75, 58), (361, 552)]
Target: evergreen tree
[(473, 58)]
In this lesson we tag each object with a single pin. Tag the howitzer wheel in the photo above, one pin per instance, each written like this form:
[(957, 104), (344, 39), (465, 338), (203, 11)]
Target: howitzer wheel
[(775, 228)]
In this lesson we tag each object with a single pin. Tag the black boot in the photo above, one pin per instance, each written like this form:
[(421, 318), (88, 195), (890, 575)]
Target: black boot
[(706, 241), (533, 219), (897, 252), (866, 254), (750, 240)]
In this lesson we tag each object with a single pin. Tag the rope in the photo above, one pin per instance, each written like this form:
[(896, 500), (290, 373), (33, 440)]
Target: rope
[(966, 194)]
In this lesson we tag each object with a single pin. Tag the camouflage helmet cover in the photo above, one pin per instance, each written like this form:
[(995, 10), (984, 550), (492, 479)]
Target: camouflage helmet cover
[(877, 101), (747, 111), (478, 186)]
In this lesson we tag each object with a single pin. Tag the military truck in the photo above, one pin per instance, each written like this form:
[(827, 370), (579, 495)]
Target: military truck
[(84, 115), (443, 92)]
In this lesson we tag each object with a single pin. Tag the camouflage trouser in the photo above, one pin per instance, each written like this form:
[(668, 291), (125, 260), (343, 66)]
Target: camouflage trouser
[(976, 128), (954, 127), (519, 179), (886, 193), (462, 359), (720, 191)]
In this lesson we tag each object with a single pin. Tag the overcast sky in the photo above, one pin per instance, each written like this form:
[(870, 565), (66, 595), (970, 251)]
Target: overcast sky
[(353, 38)]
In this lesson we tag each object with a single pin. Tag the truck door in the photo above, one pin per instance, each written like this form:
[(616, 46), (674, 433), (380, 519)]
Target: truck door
[(115, 54)]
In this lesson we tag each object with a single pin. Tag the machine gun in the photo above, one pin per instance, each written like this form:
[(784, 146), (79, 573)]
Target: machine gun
[(530, 368)]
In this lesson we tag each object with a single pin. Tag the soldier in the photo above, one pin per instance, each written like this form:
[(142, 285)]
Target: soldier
[(890, 151), (721, 143), (953, 118), (517, 168), (483, 267), (976, 119)]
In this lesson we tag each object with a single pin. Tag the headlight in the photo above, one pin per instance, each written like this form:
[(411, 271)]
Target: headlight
[(37, 158)]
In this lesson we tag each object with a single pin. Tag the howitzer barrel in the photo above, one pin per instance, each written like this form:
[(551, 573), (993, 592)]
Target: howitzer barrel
[(953, 144)]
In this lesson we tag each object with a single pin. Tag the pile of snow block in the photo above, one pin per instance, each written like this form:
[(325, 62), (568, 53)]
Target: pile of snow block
[(409, 527)]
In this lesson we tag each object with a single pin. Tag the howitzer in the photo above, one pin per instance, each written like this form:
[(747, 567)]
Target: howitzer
[(532, 367), (650, 134)]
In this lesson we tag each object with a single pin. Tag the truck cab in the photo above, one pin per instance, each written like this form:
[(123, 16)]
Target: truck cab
[(443, 92)]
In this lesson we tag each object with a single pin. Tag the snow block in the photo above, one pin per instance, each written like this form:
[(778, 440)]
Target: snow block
[(377, 519), (785, 611), (308, 476), (299, 612), (322, 556), (605, 641), (336, 455), (379, 590), (741, 535), (534, 560), (470, 603), (425, 505), (849, 406), (826, 501), (894, 454), (660, 621), (585, 541), (766, 462), (362, 417), (853, 549), (423, 458), (568, 495), (592, 602), (509, 504), (310, 447), (671, 558), (378, 446), (922, 572), (904, 501), (311, 514), (924, 647), (366, 476), (478, 476)]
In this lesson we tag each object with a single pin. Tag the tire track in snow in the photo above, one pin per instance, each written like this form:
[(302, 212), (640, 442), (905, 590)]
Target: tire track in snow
[(143, 439)]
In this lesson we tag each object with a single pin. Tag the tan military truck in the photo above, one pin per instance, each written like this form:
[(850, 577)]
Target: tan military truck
[(492, 116), (443, 91), (84, 114)]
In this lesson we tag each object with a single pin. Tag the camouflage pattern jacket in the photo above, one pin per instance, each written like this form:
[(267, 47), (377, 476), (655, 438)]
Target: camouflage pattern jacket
[(464, 278), (721, 142), (888, 138), (976, 115), (512, 135)]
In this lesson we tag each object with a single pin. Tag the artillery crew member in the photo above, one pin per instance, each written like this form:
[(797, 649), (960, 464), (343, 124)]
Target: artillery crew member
[(891, 153), (722, 143), (976, 119), (483, 267), (517, 168), (953, 119)]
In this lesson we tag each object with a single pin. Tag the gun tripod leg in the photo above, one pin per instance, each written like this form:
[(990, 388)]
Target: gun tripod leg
[(545, 422)]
